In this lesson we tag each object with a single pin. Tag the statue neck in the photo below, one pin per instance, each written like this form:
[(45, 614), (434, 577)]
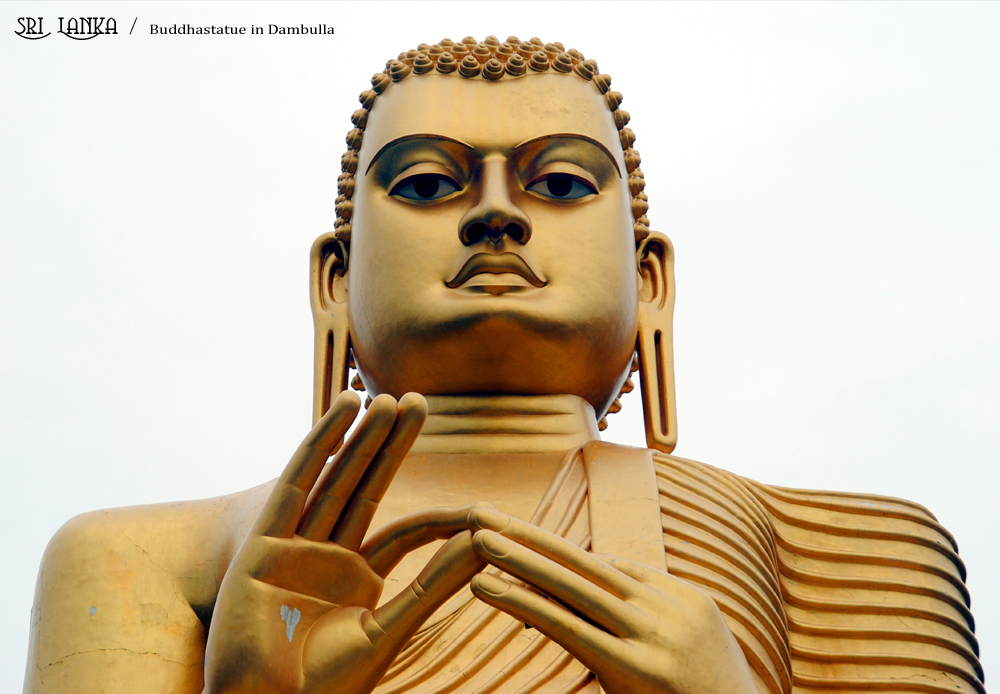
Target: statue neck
[(490, 424)]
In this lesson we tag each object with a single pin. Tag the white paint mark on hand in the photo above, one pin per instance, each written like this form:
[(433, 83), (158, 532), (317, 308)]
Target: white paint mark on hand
[(290, 618), (92, 610)]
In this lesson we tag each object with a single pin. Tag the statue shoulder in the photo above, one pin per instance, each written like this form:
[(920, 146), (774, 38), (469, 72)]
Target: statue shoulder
[(190, 542), (872, 587), (132, 588)]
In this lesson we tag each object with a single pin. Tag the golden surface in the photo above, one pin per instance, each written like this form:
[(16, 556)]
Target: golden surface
[(481, 539)]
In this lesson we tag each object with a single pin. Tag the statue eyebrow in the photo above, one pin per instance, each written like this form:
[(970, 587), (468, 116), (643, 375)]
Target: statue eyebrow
[(575, 136), (431, 136), (417, 136)]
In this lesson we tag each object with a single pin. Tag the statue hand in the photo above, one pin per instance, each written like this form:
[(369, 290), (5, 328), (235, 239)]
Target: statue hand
[(296, 610), (638, 629)]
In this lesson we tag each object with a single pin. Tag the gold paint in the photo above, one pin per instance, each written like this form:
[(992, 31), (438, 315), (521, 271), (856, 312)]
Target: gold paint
[(360, 118), (614, 100), (516, 65), (493, 69), (398, 70), (563, 62), (504, 51), (446, 63), (349, 162), (539, 62), (586, 69), (520, 317), (380, 81), (355, 136), (627, 136), (422, 64), (636, 184), (632, 160), (470, 66), (483, 52)]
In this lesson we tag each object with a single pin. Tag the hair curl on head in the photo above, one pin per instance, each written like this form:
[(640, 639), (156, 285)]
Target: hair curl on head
[(492, 60)]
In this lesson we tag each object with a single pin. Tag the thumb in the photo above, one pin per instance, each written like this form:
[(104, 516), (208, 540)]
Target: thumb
[(448, 571)]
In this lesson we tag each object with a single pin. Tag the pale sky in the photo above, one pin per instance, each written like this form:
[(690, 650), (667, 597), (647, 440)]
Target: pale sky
[(829, 174)]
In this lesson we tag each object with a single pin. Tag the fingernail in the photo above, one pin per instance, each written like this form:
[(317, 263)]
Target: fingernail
[(488, 519), (491, 585), (492, 544)]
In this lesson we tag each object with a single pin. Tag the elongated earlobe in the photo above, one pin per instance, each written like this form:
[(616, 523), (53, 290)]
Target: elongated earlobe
[(327, 266), (655, 343)]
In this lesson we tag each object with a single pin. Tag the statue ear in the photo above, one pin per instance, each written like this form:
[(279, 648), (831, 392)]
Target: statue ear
[(328, 296), (655, 341)]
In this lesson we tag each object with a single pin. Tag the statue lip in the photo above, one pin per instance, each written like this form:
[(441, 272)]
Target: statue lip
[(495, 264)]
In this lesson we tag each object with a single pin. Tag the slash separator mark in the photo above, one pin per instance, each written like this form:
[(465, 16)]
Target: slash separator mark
[(133, 26)]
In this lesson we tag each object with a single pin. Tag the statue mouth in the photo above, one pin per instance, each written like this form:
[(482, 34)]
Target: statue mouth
[(495, 264)]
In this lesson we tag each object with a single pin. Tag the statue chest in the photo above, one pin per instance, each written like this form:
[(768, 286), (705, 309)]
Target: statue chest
[(823, 592), (611, 500)]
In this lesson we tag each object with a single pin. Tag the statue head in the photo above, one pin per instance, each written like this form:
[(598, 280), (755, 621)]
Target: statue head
[(492, 238)]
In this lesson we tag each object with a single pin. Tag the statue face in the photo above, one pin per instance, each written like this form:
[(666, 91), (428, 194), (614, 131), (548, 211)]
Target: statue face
[(492, 247)]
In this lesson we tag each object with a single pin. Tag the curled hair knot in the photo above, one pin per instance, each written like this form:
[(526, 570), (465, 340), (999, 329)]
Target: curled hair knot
[(470, 67), (538, 62)]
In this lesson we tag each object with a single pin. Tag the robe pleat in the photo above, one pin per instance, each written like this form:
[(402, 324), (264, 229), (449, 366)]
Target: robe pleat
[(824, 592)]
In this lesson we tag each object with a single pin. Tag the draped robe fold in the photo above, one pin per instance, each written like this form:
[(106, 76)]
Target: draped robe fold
[(825, 592)]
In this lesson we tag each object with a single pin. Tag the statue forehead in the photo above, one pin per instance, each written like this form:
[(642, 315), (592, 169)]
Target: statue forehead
[(490, 116)]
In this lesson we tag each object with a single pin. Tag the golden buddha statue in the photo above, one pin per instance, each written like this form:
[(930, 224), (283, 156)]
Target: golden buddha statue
[(492, 253)]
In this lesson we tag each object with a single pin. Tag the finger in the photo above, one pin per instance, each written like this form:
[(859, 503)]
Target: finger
[(558, 549), (575, 591), (391, 543), (281, 512), (642, 573), (354, 521), (448, 571), (339, 479), (583, 641)]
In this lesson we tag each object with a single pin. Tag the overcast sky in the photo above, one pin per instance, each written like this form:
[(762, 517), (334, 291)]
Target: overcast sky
[(829, 174)]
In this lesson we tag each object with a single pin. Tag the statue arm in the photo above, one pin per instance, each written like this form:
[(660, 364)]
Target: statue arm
[(875, 592), (123, 596), (108, 612)]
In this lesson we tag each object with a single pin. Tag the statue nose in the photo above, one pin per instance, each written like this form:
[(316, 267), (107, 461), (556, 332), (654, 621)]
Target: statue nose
[(496, 215), (478, 231)]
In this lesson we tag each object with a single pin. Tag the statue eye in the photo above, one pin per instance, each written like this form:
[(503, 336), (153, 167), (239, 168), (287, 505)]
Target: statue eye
[(424, 187), (562, 186)]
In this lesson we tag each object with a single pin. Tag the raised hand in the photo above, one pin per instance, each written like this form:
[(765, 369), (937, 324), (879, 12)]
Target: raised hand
[(638, 629), (296, 611)]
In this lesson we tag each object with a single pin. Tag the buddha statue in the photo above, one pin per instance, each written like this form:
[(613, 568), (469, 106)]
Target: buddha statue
[(493, 281)]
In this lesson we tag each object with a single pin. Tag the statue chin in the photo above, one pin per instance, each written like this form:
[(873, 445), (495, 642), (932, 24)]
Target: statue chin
[(498, 353)]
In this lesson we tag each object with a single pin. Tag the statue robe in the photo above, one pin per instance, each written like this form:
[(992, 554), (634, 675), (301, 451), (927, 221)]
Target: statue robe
[(825, 592)]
